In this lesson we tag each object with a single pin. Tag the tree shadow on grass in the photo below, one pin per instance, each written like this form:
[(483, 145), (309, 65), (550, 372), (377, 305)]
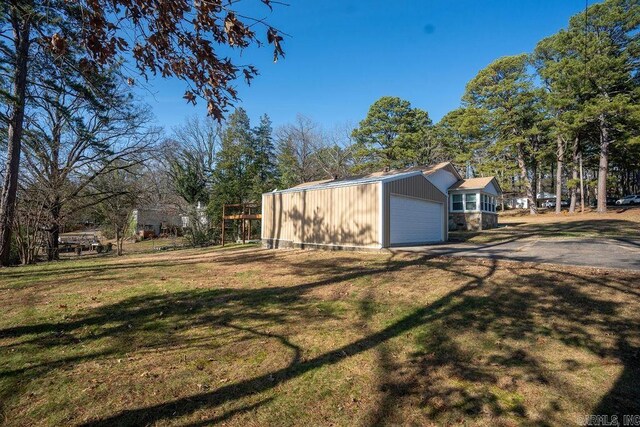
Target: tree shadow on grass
[(268, 381), (452, 383), (296, 368), (170, 315), (443, 377)]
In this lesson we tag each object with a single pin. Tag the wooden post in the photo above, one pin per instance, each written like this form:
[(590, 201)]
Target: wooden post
[(222, 238), (243, 229)]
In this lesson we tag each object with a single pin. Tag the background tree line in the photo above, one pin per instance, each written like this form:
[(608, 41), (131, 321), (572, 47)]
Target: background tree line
[(564, 118)]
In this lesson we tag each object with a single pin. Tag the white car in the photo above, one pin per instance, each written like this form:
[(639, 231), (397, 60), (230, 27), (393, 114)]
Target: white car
[(629, 200)]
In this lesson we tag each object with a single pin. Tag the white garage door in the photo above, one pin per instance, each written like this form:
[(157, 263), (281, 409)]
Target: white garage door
[(415, 221)]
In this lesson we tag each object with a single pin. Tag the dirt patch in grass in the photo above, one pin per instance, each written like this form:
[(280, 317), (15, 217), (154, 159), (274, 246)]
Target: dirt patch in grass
[(287, 337)]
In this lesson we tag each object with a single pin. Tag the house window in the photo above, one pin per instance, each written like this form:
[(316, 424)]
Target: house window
[(470, 202), (457, 202), (488, 203)]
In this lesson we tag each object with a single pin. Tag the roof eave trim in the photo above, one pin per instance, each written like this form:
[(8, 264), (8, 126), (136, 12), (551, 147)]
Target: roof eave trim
[(330, 185)]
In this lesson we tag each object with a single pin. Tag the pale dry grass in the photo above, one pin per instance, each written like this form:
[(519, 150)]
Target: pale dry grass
[(288, 337), (516, 225), (545, 216)]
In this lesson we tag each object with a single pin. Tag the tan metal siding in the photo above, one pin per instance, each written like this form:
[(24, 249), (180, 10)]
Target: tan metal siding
[(415, 186), (386, 208), (346, 216)]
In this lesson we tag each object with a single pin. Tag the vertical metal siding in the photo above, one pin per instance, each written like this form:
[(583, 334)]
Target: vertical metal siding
[(334, 216), (417, 186)]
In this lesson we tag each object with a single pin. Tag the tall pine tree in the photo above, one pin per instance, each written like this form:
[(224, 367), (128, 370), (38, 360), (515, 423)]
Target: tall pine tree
[(264, 167), (393, 135), (505, 92)]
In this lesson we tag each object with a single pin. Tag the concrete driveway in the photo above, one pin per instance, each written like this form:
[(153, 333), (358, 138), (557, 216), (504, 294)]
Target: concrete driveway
[(605, 253)]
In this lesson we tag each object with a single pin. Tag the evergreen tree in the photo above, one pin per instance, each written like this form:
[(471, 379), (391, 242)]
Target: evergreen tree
[(591, 73), (234, 176), (393, 135), (461, 133), (264, 166), (560, 71), (607, 42), (189, 179), (506, 94)]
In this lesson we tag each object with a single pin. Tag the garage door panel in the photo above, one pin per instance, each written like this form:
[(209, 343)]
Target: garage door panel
[(415, 221)]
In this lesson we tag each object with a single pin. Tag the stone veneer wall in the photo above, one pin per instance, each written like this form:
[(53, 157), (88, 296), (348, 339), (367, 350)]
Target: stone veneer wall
[(489, 220), (472, 221)]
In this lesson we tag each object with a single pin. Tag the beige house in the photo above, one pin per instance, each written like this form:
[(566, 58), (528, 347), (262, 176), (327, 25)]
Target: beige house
[(379, 210), (153, 222)]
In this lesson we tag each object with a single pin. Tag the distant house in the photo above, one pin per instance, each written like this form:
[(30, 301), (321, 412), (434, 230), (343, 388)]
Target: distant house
[(516, 201), (389, 208), (151, 222), (201, 211)]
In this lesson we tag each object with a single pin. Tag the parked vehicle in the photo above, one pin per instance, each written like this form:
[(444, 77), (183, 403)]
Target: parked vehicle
[(552, 204), (633, 199)]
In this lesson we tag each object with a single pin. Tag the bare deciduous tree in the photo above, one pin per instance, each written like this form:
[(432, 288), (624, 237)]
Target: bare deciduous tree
[(70, 141), (173, 39)]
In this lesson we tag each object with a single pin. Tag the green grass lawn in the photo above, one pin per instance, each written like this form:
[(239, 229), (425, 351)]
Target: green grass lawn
[(245, 336)]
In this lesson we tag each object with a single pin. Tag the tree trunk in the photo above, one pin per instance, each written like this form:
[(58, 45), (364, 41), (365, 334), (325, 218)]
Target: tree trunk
[(529, 186), (574, 189), (21, 30), (574, 176), (53, 246), (603, 167), (581, 185), (538, 175), (118, 242), (54, 178), (560, 162), (53, 250)]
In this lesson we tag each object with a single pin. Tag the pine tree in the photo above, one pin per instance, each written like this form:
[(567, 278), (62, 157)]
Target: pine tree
[(591, 74), (607, 40), (234, 176), (265, 171), (504, 92), (393, 135)]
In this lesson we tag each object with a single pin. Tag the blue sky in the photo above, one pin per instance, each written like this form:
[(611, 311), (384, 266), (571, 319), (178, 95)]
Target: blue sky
[(343, 55)]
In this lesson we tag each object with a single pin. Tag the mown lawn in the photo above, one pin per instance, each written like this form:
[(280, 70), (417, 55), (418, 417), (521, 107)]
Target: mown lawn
[(251, 337)]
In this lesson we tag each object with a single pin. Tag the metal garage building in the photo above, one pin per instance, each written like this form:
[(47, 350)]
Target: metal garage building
[(374, 211)]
